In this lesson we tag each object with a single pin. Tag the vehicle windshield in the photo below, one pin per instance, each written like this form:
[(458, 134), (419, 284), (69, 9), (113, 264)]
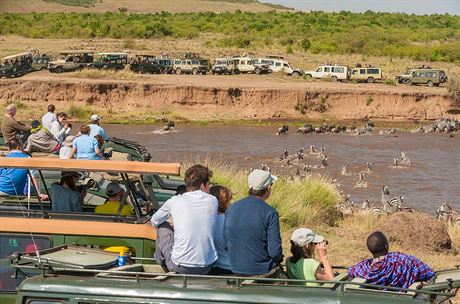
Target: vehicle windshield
[(221, 62)]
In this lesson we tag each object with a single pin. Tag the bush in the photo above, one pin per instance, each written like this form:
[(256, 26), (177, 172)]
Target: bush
[(79, 112), (305, 44)]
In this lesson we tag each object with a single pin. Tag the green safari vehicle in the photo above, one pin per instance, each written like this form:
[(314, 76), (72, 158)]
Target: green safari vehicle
[(72, 275)]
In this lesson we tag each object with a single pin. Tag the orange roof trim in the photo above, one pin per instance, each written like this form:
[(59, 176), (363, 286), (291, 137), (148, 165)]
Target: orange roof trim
[(115, 166)]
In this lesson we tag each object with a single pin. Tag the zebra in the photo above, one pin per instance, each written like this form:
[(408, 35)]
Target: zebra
[(283, 130), (307, 168), (346, 207), (324, 162), (361, 183), (312, 150), (393, 204), (447, 214), (286, 153), (368, 208), (345, 171), (301, 150), (396, 164), (369, 167), (405, 160), (300, 156), (264, 167), (385, 194)]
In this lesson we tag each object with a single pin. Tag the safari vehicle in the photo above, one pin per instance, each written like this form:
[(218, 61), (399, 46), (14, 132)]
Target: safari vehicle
[(332, 72), (425, 75), (25, 220), (71, 61), (248, 65), (145, 64), (16, 65), (366, 74), (72, 275), (223, 66), (279, 64), (191, 66), (166, 65), (40, 62), (109, 61)]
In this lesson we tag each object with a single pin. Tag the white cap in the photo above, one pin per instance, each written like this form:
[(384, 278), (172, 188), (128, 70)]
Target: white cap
[(304, 236), (95, 117), (260, 179)]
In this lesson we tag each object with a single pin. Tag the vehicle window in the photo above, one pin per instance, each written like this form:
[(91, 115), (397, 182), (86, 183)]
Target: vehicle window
[(319, 69), (44, 301), (338, 70), (277, 64), (362, 71), (17, 243), (373, 71), (327, 69), (285, 65)]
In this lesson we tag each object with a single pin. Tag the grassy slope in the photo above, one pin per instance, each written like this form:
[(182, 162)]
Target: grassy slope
[(134, 6)]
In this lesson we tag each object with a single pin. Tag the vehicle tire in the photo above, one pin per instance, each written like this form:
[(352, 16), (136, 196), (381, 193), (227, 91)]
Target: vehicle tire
[(212, 72), (195, 72), (43, 69), (370, 80), (178, 71), (236, 72), (295, 74), (308, 76), (257, 71), (58, 69), (334, 79), (204, 73), (430, 83), (408, 82)]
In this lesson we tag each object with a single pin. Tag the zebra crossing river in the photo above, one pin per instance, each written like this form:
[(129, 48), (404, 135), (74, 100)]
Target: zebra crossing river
[(431, 179)]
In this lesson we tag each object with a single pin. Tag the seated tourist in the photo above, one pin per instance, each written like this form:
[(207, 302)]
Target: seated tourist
[(224, 196), (41, 140), (252, 231), (302, 265), (113, 205), (65, 196), (11, 128), (60, 128), (85, 146), (389, 268), (13, 181), (188, 247), (66, 147)]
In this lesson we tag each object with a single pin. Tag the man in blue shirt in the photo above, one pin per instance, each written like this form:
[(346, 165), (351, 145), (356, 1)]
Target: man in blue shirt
[(13, 181), (96, 129), (252, 232)]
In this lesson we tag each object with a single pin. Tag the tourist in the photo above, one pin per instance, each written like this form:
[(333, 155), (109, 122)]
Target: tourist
[(66, 147), (11, 128), (96, 129), (302, 265), (49, 117), (13, 181), (252, 231), (60, 128), (386, 268), (224, 196), (65, 196), (188, 248), (85, 146), (114, 194), (41, 140)]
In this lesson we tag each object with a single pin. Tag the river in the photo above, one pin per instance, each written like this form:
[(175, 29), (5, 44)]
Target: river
[(433, 177)]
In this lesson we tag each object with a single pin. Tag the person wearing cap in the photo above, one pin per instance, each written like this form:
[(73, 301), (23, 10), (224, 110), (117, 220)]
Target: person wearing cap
[(96, 129), (187, 246), (66, 147), (60, 128), (252, 231), (386, 268), (49, 116), (11, 128), (41, 140), (113, 205), (302, 265), (65, 196), (85, 146)]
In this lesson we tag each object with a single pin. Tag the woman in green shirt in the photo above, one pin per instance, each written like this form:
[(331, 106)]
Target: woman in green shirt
[(302, 265)]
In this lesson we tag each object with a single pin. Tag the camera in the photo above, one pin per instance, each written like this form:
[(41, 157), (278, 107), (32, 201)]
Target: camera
[(90, 184)]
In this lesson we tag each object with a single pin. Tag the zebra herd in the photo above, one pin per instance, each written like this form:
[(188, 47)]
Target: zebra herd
[(446, 125)]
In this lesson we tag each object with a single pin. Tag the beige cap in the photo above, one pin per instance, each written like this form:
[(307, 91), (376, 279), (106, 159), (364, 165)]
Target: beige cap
[(304, 236), (260, 179)]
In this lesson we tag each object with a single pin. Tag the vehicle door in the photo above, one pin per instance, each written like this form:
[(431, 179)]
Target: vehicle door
[(187, 66), (362, 74), (70, 63), (327, 72), (417, 77), (286, 68), (318, 73)]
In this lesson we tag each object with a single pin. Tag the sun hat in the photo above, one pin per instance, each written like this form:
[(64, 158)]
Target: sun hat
[(304, 236), (260, 179), (113, 188), (95, 117), (70, 173), (69, 140)]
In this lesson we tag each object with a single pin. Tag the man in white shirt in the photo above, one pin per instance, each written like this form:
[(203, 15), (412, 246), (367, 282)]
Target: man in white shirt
[(49, 117), (96, 129), (187, 245), (60, 128)]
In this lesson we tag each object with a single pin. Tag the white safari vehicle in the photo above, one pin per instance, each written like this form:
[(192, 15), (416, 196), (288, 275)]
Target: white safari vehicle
[(248, 65), (334, 72), (279, 64)]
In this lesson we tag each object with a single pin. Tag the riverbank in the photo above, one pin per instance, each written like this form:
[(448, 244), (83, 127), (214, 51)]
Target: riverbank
[(209, 98)]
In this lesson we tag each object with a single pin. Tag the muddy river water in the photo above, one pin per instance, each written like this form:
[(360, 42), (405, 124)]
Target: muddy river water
[(433, 177)]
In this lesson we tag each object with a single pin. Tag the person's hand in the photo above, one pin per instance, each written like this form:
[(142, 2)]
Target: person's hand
[(44, 197), (322, 250), (66, 125), (170, 221)]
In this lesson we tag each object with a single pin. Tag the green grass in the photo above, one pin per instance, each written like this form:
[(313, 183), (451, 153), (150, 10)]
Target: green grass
[(81, 113), (431, 38), (84, 3)]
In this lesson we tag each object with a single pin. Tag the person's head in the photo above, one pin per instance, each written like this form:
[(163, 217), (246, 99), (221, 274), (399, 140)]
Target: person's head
[(260, 183), (85, 129), (377, 243), (70, 179), (114, 191), (95, 119), (35, 126), (303, 243), (69, 141), (223, 195), (100, 140), (197, 177), (62, 117), (15, 144), (11, 109), (51, 108)]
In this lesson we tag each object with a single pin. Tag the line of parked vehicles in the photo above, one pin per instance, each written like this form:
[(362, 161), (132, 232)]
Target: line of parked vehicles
[(23, 63)]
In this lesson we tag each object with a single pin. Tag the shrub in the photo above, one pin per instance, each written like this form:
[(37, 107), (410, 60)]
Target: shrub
[(305, 44), (79, 112)]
